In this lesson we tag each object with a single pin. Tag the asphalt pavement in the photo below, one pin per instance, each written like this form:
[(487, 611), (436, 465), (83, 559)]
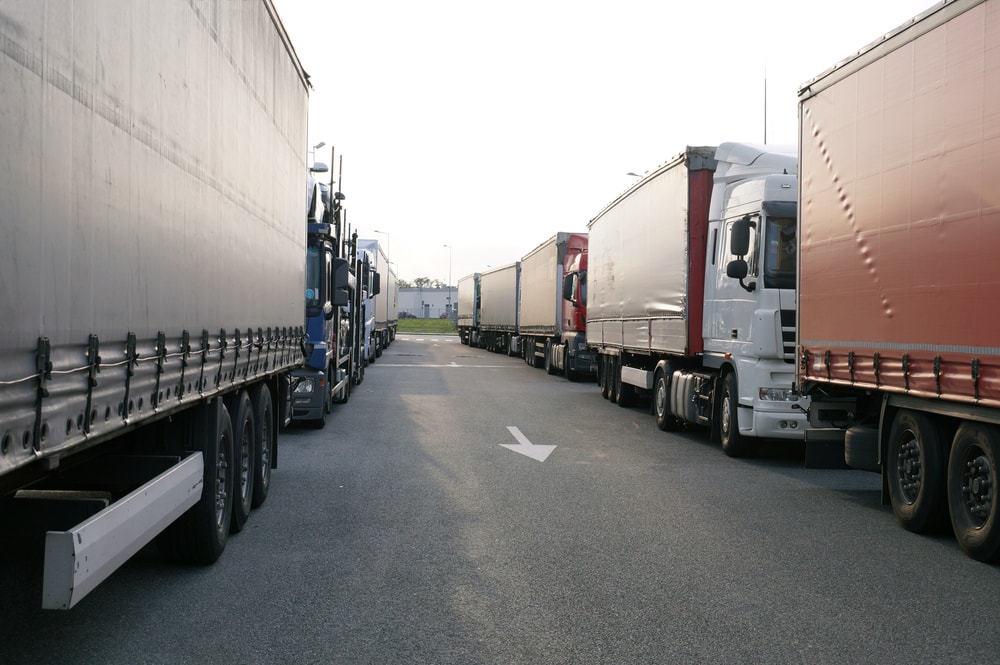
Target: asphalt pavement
[(433, 521)]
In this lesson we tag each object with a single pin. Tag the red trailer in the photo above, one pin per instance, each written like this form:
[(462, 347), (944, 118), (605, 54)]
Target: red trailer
[(899, 229)]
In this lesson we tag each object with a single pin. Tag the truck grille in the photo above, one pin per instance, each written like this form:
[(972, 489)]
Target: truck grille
[(788, 334)]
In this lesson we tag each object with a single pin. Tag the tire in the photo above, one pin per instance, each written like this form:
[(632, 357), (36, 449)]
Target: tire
[(626, 391), (915, 470), (972, 487), (615, 378), (733, 444), (245, 458), (550, 367), (602, 376), (199, 536), (266, 441), (665, 421)]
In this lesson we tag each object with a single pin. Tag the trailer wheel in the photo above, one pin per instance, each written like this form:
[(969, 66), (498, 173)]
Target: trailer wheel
[(266, 441), (199, 535), (615, 379), (733, 444), (916, 472), (602, 376), (665, 421), (972, 487), (245, 457), (626, 391)]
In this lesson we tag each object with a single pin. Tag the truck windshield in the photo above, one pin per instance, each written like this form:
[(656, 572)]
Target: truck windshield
[(779, 259), (314, 274)]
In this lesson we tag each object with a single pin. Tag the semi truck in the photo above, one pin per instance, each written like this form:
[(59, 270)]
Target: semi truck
[(468, 309), (369, 253), (552, 306), (331, 362), (152, 291), (691, 294), (384, 302), (499, 292), (899, 231), (363, 303)]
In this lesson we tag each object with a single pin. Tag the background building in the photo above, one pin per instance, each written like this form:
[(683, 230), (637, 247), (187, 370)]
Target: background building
[(425, 302)]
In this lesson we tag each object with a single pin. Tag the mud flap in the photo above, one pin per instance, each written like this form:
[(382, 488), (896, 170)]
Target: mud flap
[(825, 449)]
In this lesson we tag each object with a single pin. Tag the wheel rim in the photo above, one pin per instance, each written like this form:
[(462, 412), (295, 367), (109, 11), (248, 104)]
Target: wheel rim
[(909, 467), (246, 449), (977, 486), (221, 498), (661, 397), (727, 413), (265, 446)]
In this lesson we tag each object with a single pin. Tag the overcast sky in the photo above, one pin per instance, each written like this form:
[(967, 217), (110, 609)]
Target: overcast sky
[(490, 126)]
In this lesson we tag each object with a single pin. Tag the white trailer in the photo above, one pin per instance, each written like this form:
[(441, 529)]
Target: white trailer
[(153, 275), (499, 292)]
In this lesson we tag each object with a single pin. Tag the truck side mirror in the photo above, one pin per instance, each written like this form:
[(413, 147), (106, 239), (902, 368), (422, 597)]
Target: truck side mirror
[(739, 239), (341, 283), (738, 269), (568, 286)]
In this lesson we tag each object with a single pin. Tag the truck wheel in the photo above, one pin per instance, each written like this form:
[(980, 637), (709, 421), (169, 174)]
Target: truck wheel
[(266, 441), (550, 367), (733, 444), (916, 472), (661, 408), (244, 436), (626, 391), (199, 535), (972, 487), (612, 390)]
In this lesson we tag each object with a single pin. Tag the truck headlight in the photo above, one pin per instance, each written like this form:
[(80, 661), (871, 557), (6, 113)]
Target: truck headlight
[(303, 387), (779, 395)]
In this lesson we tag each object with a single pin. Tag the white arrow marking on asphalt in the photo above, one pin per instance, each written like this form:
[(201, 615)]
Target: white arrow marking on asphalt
[(525, 447)]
